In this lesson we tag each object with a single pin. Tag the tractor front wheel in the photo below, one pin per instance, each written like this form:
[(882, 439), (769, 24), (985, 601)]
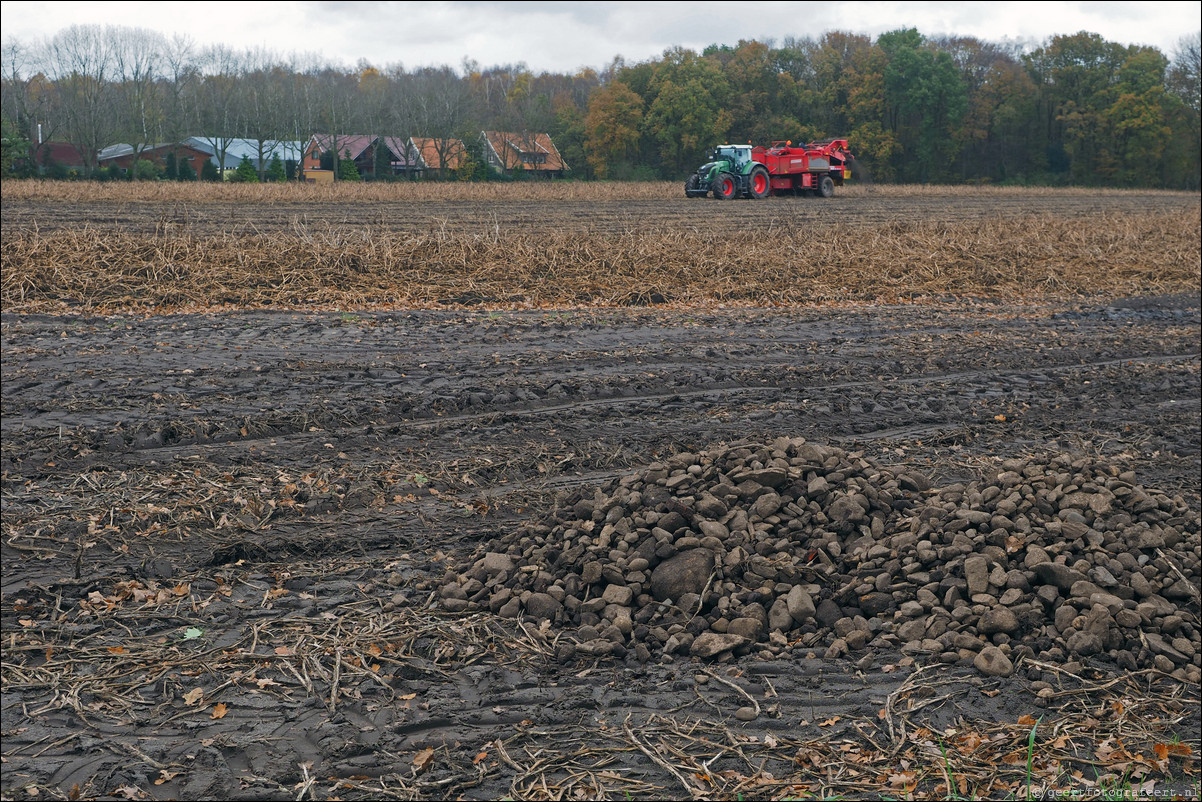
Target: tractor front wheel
[(690, 186), (725, 186), (758, 184), (826, 187)]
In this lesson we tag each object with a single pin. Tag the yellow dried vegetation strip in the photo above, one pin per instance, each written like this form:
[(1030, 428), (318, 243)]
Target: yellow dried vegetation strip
[(84, 192), (401, 191), (1035, 255)]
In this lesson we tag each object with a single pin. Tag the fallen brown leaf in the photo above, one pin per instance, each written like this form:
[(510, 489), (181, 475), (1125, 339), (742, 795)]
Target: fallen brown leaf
[(423, 759), (166, 776), (1165, 751)]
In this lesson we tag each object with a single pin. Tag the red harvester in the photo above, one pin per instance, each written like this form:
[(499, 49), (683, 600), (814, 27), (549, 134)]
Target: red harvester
[(782, 168)]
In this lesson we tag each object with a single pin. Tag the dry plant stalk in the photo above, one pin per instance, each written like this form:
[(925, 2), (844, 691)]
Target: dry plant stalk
[(84, 270), (424, 191), (346, 192)]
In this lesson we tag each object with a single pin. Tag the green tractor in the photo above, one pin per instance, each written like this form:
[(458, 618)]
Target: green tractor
[(731, 172)]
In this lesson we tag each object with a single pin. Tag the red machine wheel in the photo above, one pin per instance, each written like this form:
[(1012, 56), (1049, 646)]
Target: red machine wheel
[(758, 184), (724, 186)]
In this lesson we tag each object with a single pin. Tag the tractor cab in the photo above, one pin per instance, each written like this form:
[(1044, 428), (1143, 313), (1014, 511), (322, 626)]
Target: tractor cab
[(739, 156)]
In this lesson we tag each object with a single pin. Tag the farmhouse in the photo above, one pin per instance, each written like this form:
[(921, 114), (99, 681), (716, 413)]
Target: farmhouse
[(123, 155), (373, 156), (226, 154), (440, 157), (398, 155), (535, 154), (52, 156)]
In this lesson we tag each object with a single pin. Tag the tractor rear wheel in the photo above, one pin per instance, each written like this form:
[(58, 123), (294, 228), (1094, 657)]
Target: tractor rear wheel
[(758, 184), (725, 186), (826, 187)]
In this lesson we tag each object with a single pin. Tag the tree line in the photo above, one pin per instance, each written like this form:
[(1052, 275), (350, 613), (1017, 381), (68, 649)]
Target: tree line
[(1075, 110)]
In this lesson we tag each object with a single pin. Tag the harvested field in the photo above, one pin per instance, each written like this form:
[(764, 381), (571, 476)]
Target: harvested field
[(537, 246), (457, 209), (315, 494)]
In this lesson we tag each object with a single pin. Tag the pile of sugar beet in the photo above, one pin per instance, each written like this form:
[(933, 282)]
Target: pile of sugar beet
[(772, 548)]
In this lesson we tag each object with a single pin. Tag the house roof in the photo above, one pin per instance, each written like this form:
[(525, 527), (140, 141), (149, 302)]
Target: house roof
[(117, 151), (403, 153), (271, 148), (355, 143), (237, 148), (528, 151), (125, 149), (432, 152)]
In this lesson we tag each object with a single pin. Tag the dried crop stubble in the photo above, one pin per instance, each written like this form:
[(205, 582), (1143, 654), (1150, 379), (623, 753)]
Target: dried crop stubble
[(418, 209), (265, 194), (428, 191), (101, 271)]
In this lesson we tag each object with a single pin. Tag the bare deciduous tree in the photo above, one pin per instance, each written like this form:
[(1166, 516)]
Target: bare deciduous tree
[(263, 105), (442, 105), (1184, 79), (338, 111), (181, 76), (28, 100), (216, 97), (138, 57), (81, 63)]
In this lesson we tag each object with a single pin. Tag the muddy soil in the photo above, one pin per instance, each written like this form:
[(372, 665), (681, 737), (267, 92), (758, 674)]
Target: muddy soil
[(223, 535)]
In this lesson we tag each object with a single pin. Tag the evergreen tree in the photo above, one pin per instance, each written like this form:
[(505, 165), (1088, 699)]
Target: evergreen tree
[(347, 171), (246, 172), (275, 170), (14, 150), (145, 170)]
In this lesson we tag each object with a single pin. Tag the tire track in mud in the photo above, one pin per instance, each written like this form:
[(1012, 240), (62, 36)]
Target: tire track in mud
[(807, 391), (1033, 375)]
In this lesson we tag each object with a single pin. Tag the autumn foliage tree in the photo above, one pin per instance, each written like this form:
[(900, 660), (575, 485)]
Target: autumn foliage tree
[(1074, 109), (689, 109), (615, 116)]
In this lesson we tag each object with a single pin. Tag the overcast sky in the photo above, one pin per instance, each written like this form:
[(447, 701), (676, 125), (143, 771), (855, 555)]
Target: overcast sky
[(566, 36)]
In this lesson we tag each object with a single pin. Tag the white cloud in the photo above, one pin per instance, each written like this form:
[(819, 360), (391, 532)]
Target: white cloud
[(565, 36)]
